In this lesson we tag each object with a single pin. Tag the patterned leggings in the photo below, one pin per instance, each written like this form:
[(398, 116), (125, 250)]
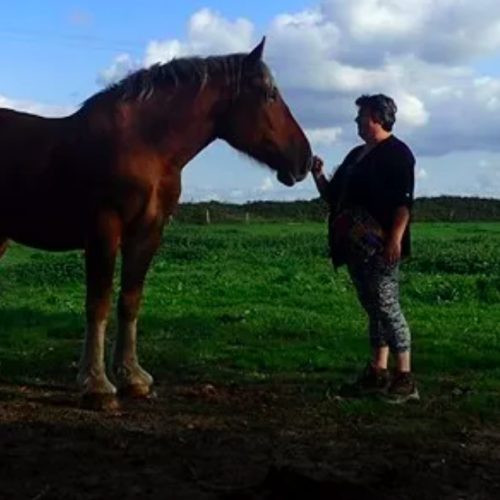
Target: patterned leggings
[(377, 286)]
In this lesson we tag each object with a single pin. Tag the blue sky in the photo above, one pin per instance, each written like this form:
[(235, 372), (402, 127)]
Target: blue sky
[(62, 45), (438, 59)]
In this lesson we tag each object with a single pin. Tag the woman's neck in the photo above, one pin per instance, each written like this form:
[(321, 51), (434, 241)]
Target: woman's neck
[(378, 138)]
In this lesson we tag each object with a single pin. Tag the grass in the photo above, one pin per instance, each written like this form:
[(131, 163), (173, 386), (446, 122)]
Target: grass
[(262, 304)]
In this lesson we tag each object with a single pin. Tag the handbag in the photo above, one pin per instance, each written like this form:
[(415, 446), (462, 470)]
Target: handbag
[(356, 234)]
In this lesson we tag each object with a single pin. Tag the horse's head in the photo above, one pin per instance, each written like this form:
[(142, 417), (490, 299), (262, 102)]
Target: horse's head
[(260, 124)]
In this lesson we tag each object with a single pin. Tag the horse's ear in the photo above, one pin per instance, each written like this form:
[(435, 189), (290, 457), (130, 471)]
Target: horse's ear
[(254, 57)]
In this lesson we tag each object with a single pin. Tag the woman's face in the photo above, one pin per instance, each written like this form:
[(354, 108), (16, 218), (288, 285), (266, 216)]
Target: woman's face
[(367, 127)]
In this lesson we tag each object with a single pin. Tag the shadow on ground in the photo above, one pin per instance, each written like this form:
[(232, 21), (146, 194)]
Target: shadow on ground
[(217, 442)]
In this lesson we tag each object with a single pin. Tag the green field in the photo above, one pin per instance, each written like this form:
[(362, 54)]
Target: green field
[(261, 303), (248, 332)]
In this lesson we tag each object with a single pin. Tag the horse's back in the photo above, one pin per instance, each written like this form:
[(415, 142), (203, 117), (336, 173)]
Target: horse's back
[(28, 144), (18, 129)]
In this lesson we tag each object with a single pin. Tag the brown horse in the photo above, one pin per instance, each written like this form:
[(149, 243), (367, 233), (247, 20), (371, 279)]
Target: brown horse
[(106, 178)]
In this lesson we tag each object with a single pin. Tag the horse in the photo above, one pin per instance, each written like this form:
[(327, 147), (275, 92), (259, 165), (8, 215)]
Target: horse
[(105, 178)]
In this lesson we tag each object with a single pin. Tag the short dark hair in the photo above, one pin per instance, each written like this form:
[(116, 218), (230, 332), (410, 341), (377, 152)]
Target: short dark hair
[(382, 109)]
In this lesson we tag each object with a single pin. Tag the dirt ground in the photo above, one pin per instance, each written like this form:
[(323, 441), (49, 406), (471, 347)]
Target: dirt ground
[(213, 442)]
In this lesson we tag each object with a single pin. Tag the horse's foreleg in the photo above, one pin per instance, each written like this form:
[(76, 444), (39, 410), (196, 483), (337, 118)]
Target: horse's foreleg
[(137, 255), (100, 258)]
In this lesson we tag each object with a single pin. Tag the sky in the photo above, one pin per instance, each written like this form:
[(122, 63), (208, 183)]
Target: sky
[(439, 60)]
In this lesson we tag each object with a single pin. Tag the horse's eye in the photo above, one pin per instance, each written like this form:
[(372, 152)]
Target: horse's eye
[(272, 94)]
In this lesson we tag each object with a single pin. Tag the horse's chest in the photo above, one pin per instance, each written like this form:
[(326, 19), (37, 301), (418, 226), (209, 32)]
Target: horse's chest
[(169, 194)]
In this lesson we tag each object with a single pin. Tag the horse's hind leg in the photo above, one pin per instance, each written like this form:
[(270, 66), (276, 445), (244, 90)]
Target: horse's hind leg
[(100, 258), (137, 255)]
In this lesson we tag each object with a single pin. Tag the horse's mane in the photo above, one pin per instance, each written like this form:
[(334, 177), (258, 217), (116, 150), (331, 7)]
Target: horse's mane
[(194, 71)]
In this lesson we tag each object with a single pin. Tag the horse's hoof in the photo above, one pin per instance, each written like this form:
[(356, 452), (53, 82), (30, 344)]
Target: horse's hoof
[(99, 402), (136, 391)]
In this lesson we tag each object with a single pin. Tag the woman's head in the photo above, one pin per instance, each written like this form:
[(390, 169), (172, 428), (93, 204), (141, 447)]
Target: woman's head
[(376, 116)]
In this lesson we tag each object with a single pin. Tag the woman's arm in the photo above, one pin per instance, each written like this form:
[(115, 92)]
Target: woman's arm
[(401, 194), (320, 180)]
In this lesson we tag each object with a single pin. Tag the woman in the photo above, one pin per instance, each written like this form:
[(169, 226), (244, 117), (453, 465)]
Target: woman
[(371, 197)]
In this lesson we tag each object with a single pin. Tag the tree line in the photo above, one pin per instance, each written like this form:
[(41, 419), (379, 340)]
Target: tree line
[(426, 209)]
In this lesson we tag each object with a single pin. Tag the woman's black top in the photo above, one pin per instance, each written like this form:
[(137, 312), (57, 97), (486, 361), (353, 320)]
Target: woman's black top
[(382, 181)]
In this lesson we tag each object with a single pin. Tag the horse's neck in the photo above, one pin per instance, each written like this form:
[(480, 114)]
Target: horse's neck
[(181, 135)]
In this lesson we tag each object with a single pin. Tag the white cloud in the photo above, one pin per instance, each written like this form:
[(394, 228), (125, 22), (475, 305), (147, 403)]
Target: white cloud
[(487, 180), (42, 109), (421, 52), (324, 57), (440, 31), (163, 51), (193, 192), (267, 184), (119, 68), (421, 174), (208, 33), (324, 136)]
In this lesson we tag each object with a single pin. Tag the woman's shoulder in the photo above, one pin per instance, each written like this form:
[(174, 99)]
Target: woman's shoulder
[(398, 148), (349, 158), (395, 142), (355, 150), (353, 154)]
